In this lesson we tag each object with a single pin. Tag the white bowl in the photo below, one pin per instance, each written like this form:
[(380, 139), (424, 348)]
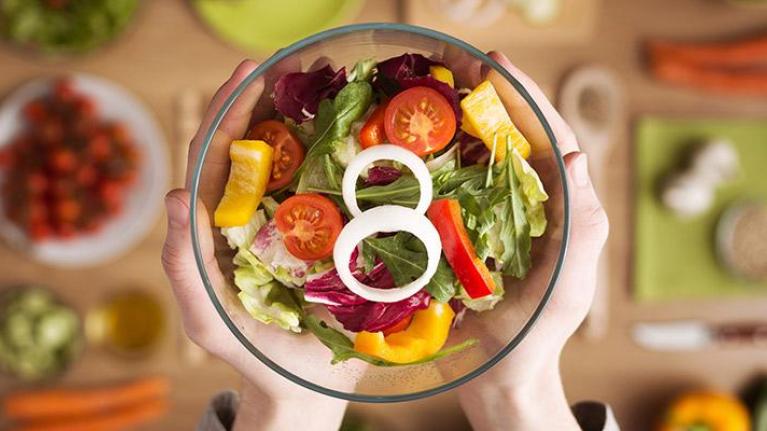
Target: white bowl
[(143, 199)]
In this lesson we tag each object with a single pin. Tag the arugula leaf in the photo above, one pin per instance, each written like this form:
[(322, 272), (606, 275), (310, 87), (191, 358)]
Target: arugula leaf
[(363, 70), (405, 265), (333, 123), (516, 231), (343, 348), (443, 286), (405, 257)]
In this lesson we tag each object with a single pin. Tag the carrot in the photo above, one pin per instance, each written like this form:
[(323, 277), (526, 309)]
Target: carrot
[(738, 53), (752, 83), (75, 402), (122, 419)]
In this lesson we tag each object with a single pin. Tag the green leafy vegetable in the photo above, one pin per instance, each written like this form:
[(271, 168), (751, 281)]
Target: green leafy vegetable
[(533, 194), (515, 233), (332, 124), (363, 70), (405, 258), (343, 348)]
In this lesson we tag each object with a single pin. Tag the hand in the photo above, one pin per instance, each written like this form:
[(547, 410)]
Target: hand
[(269, 401), (524, 391)]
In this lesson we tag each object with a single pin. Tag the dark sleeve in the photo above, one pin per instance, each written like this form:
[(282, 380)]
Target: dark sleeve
[(220, 414), (594, 416)]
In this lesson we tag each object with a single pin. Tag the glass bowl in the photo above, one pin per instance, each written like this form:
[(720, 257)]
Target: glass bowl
[(499, 331)]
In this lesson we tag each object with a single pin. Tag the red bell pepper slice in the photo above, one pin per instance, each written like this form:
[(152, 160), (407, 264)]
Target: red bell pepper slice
[(445, 215)]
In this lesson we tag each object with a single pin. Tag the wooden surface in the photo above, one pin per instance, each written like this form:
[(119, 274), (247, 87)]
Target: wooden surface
[(167, 52)]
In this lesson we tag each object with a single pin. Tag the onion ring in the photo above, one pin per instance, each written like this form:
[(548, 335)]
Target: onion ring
[(386, 218), (386, 152)]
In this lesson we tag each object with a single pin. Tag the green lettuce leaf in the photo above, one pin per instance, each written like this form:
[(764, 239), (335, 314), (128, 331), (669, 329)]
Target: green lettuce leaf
[(242, 236), (533, 194), (272, 303), (487, 302)]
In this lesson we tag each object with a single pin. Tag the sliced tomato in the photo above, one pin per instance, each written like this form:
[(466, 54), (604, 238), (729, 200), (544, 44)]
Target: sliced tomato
[(374, 131), (288, 151), (421, 120), (445, 215), (399, 326), (310, 224)]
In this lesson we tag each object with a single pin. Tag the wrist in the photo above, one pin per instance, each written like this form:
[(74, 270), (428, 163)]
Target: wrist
[(535, 403), (304, 409)]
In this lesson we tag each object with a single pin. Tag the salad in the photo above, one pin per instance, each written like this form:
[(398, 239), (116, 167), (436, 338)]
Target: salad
[(385, 198)]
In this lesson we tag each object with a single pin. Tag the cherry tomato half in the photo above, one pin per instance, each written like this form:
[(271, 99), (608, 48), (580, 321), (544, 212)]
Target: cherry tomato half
[(310, 224), (288, 151), (421, 120), (373, 132)]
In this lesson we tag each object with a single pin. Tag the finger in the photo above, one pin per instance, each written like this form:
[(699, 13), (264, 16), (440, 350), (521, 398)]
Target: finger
[(589, 221), (198, 313), (235, 122), (523, 115)]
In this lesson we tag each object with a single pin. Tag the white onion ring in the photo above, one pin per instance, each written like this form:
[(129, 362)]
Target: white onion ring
[(386, 218), (386, 152)]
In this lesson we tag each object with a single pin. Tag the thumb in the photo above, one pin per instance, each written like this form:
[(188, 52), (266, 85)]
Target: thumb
[(178, 260), (589, 220)]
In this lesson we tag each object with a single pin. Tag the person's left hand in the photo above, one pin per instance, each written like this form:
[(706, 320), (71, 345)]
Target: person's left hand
[(269, 398)]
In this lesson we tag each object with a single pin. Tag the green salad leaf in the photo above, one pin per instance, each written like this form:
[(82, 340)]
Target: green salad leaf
[(405, 257), (332, 124), (515, 232), (363, 70), (533, 194), (343, 348)]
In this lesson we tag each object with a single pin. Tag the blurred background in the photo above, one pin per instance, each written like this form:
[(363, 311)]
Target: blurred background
[(669, 98)]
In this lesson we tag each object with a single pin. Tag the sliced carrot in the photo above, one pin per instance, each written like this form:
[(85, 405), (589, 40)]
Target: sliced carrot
[(122, 419), (738, 53), (752, 83), (55, 403)]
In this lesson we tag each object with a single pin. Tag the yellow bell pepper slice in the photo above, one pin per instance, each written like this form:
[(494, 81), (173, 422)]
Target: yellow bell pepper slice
[(442, 73), (485, 117), (248, 176), (710, 410), (424, 337)]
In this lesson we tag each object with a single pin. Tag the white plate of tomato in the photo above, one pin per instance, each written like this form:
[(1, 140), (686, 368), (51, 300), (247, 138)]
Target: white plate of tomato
[(83, 168)]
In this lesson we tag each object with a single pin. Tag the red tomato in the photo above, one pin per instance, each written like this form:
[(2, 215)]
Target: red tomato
[(421, 120), (99, 147), (399, 326), (310, 224), (373, 132), (67, 210), (445, 215), (63, 160), (288, 151)]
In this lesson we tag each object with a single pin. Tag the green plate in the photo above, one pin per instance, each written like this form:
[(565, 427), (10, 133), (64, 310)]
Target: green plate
[(266, 25), (675, 258)]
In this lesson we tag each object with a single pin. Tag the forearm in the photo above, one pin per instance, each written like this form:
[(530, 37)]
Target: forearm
[(307, 413), (538, 405)]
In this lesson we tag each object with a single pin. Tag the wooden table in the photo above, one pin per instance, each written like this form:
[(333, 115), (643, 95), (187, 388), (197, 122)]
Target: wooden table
[(167, 51)]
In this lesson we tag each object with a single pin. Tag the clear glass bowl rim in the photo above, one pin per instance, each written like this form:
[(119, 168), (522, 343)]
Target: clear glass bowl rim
[(329, 34)]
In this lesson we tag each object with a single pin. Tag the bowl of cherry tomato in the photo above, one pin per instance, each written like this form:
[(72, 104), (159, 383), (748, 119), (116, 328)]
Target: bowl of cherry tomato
[(82, 170)]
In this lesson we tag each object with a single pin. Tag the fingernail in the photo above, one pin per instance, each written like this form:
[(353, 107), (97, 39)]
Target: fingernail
[(178, 212), (581, 171)]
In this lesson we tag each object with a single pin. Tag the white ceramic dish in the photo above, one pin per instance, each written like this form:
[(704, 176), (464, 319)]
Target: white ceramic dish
[(143, 200)]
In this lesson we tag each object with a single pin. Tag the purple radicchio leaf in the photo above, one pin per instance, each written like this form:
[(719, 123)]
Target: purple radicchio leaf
[(382, 175), (354, 312), (298, 94)]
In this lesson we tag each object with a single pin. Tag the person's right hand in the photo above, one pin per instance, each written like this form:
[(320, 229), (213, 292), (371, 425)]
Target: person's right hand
[(524, 391), (269, 401)]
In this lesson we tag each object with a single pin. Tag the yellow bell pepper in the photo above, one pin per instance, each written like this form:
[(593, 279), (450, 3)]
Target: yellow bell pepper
[(441, 73), (248, 177), (485, 117), (425, 336), (706, 410)]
